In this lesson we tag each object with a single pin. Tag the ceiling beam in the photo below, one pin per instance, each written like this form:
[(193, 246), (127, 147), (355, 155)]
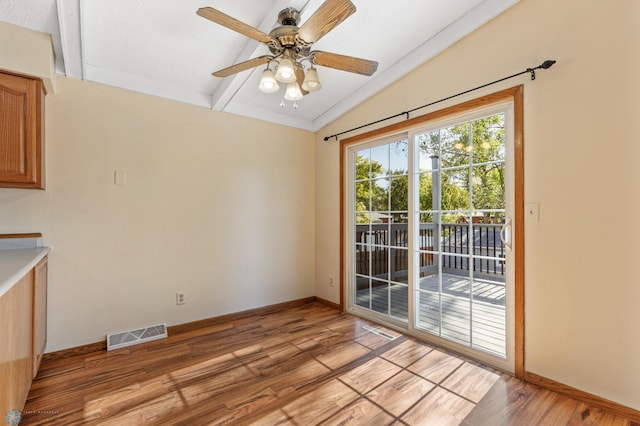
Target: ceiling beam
[(69, 20)]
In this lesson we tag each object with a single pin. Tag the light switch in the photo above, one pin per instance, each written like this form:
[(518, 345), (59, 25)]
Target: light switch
[(119, 177), (532, 212)]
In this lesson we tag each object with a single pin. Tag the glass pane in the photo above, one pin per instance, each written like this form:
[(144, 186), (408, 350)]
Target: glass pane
[(399, 269), (399, 193), (379, 262), (399, 157), (362, 259), (362, 219), (399, 235), (488, 186), (426, 192), (363, 196), (456, 146), (380, 296), (379, 161), (487, 244), (363, 165), (362, 292), (380, 195), (399, 300), (429, 311), (428, 145), (488, 139), (456, 315), (488, 321), (455, 239), (455, 189), (428, 266)]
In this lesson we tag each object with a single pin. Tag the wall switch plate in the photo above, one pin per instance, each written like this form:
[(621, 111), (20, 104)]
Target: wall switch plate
[(119, 177), (531, 212)]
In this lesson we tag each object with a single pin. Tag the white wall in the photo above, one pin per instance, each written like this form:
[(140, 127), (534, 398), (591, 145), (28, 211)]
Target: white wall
[(582, 145), (215, 205)]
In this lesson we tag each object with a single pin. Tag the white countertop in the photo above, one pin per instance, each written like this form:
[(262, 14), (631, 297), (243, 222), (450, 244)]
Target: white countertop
[(15, 263)]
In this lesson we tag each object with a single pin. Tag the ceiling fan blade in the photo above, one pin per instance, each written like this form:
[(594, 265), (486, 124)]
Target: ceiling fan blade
[(328, 16), (233, 24), (300, 80), (344, 63), (242, 66)]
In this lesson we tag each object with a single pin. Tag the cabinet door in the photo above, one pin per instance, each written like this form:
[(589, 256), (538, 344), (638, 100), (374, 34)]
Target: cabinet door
[(21, 121), (16, 364), (39, 313)]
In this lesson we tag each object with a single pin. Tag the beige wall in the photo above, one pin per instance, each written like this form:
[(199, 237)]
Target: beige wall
[(27, 52), (215, 205), (582, 144)]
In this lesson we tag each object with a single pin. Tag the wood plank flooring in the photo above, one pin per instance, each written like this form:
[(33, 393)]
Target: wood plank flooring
[(308, 365)]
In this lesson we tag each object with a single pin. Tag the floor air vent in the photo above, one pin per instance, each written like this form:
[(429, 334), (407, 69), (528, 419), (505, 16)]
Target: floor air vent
[(134, 337), (379, 332)]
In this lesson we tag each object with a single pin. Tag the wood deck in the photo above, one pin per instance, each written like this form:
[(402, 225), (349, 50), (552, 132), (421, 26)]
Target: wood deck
[(478, 322)]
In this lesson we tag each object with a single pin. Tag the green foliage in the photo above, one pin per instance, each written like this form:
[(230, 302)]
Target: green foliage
[(475, 146)]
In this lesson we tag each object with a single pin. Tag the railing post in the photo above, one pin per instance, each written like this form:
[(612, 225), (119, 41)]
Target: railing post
[(435, 202)]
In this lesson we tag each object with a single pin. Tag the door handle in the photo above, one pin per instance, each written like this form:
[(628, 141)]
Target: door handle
[(505, 234)]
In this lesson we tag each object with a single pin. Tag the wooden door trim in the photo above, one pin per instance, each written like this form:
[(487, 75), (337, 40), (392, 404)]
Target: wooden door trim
[(514, 95)]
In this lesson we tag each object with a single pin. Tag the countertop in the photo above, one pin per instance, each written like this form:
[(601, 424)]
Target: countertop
[(15, 263)]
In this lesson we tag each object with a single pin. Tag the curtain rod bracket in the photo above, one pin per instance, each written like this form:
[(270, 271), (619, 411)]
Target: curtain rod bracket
[(533, 73)]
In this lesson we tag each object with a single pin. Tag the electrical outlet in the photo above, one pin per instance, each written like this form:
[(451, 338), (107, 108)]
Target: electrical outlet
[(180, 298), (331, 281)]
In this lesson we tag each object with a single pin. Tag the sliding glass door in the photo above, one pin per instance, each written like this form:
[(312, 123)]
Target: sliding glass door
[(430, 233)]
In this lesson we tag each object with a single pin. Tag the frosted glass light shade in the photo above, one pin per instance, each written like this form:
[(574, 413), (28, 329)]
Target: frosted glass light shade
[(311, 81), (293, 92), (286, 72), (268, 83)]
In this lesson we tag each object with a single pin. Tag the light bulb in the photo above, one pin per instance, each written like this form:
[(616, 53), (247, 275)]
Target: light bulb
[(268, 83), (311, 81), (286, 72), (293, 92)]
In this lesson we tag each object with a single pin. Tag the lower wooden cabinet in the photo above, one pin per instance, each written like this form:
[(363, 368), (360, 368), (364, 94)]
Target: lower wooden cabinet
[(39, 312), (22, 336)]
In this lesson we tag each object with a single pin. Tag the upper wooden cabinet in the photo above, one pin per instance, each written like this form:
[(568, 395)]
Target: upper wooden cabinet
[(21, 132)]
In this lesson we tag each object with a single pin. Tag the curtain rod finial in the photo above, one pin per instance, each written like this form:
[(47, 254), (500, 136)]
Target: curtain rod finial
[(547, 64)]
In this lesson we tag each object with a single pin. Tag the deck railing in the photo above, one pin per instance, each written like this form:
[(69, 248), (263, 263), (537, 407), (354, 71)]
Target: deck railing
[(383, 249)]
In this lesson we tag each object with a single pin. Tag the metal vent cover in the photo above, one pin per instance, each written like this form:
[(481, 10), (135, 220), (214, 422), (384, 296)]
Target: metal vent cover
[(136, 336), (380, 332)]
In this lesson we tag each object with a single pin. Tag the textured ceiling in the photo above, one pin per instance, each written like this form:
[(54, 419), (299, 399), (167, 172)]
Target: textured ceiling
[(163, 48)]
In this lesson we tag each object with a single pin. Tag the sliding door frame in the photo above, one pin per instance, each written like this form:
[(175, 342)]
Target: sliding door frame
[(514, 95)]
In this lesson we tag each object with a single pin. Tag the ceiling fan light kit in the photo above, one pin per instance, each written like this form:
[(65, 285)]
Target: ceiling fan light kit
[(293, 92), (311, 81), (268, 82), (290, 45), (285, 72)]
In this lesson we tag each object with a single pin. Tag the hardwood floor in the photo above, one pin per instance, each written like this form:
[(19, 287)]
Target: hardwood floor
[(308, 365)]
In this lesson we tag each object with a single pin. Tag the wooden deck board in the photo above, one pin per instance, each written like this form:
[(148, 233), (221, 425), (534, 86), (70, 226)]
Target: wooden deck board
[(484, 317)]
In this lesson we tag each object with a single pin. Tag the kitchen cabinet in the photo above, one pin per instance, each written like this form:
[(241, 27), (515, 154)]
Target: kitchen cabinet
[(39, 312), (16, 364), (23, 308), (21, 132)]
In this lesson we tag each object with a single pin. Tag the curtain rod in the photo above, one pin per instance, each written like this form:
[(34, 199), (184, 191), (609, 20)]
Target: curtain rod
[(545, 65)]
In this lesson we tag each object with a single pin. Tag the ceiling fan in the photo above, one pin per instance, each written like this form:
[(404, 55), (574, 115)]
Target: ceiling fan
[(290, 45)]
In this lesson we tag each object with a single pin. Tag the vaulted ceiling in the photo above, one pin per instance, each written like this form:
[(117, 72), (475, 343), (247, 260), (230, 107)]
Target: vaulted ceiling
[(162, 48)]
